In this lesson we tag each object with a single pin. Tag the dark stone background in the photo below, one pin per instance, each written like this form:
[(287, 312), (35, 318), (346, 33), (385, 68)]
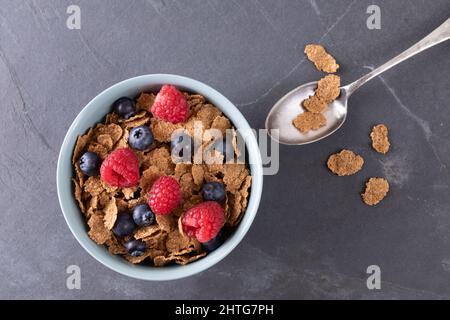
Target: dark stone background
[(313, 237)]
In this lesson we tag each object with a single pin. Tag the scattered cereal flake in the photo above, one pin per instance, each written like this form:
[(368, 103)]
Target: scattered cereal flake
[(221, 123), (162, 130), (345, 163), (98, 231), (380, 140), (314, 104), (376, 190), (148, 177), (77, 194), (307, 121), (106, 141), (147, 231), (321, 59), (113, 130), (328, 88), (81, 143), (110, 213), (145, 101), (93, 186)]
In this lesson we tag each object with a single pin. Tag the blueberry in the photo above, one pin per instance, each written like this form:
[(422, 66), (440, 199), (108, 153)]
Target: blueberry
[(135, 248), (215, 242), (182, 145), (213, 191), (226, 149), (143, 215), (124, 107), (124, 225), (140, 138), (90, 164)]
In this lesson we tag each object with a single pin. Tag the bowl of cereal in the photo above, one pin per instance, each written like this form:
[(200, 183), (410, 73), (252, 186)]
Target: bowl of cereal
[(159, 177)]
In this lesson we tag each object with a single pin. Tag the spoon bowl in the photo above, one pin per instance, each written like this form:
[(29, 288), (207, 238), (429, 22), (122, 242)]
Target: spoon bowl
[(289, 107), (279, 120)]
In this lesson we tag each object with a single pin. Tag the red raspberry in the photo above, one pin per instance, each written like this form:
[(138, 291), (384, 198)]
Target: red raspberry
[(164, 195), (203, 221), (121, 169), (170, 105)]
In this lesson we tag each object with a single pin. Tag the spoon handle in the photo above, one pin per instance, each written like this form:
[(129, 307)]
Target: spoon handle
[(440, 34)]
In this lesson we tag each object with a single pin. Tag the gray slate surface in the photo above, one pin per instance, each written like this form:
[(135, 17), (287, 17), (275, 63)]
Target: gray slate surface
[(314, 239)]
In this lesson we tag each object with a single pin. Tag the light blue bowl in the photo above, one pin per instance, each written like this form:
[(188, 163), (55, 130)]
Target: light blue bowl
[(93, 113)]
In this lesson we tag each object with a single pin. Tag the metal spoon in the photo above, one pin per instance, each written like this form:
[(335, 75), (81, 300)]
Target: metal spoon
[(287, 108)]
